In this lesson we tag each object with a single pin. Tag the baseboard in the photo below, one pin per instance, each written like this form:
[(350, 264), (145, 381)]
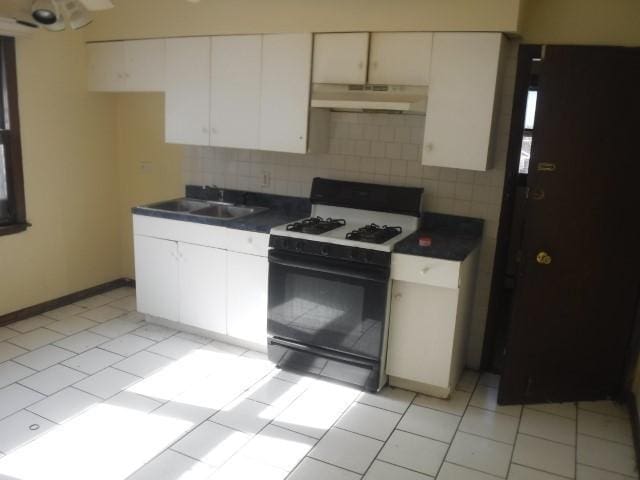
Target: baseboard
[(64, 300), (632, 404)]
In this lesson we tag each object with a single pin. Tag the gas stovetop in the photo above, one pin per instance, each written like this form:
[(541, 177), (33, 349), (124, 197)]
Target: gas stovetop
[(360, 215), (351, 227)]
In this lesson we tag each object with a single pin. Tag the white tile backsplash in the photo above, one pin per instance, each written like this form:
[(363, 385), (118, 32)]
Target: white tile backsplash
[(379, 148)]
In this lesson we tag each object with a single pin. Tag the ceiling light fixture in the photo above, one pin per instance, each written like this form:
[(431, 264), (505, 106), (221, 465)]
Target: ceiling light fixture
[(56, 14)]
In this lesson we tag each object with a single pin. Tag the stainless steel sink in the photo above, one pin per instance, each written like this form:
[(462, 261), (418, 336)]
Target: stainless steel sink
[(204, 208), (179, 205), (228, 211)]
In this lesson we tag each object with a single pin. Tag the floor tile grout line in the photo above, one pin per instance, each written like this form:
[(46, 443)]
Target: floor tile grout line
[(624, 475), (326, 463), (629, 445), (384, 444), (403, 467), (473, 469), (430, 438), (365, 435), (487, 438), (538, 469), (547, 440), (515, 441), (333, 425), (529, 407), (196, 425), (446, 454)]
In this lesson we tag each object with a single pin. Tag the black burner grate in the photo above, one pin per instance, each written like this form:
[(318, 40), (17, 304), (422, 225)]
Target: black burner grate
[(373, 233), (316, 225)]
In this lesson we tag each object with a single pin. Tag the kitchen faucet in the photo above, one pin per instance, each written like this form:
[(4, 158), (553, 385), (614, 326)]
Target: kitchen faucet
[(220, 192)]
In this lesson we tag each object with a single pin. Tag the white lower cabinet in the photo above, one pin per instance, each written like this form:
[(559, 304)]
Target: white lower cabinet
[(430, 307), (203, 287), (214, 282), (247, 280), (157, 284)]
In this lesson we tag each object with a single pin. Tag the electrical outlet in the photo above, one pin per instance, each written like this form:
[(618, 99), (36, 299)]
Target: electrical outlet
[(145, 167), (266, 179)]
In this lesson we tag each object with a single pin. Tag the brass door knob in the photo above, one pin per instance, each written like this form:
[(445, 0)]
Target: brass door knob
[(543, 258)]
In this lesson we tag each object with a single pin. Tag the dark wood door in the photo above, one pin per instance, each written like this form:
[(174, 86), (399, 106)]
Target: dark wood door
[(574, 307)]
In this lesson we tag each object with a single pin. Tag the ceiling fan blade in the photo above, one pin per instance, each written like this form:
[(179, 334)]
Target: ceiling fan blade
[(94, 5)]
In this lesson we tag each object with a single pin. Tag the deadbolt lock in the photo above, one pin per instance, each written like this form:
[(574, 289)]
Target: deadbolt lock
[(543, 258)]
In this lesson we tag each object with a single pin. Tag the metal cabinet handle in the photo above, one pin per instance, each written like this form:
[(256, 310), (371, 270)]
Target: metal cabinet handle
[(424, 271)]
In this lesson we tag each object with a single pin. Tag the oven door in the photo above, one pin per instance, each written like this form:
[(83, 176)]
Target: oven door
[(331, 309)]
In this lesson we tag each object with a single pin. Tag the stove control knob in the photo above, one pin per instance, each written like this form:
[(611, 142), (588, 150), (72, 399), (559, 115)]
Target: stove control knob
[(324, 250), (366, 257), (286, 243), (299, 245)]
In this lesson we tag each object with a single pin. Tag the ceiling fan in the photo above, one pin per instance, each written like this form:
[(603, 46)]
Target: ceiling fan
[(55, 15)]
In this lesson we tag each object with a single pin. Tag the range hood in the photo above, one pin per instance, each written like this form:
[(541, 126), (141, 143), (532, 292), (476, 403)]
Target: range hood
[(387, 98)]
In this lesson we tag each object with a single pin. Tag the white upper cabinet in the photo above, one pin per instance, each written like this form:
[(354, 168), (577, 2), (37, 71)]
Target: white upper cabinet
[(236, 65), (106, 67), (462, 92), (144, 65), (400, 58), (286, 81), (188, 73), (340, 58), (128, 66)]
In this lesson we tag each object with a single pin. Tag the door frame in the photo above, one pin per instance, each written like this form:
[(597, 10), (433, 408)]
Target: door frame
[(526, 54)]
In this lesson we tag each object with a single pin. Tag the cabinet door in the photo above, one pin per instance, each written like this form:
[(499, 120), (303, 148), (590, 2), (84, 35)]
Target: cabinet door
[(421, 331), (187, 75), (247, 297), (286, 80), (144, 65), (235, 90), (340, 58), (203, 272), (106, 67), (462, 92), (400, 58), (157, 288)]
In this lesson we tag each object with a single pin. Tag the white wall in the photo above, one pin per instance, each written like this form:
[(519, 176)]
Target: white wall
[(379, 148)]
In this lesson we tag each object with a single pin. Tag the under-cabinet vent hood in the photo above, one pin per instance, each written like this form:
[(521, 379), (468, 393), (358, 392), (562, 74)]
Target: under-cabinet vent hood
[(370, 98)]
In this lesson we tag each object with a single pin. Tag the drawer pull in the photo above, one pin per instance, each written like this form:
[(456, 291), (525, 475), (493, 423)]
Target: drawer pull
[(424, 271), (250, 240)]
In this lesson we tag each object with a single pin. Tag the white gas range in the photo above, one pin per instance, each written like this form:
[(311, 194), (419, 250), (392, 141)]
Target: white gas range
[(329, 280)]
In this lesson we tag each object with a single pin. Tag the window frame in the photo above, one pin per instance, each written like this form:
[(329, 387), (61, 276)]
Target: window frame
[(10, 138)]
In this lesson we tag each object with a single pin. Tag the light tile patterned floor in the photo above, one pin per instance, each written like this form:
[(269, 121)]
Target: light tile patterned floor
[(91, 391)]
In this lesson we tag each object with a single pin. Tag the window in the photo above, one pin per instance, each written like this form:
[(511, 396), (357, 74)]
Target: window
[(527, 135), (12, 204)]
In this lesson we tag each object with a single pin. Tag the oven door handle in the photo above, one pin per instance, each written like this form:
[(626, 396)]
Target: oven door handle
[(335, 267), (321, 352)]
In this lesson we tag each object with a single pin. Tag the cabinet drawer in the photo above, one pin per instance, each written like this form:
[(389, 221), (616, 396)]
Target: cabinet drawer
[(187, 232), (243, 241), (425, 270)]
